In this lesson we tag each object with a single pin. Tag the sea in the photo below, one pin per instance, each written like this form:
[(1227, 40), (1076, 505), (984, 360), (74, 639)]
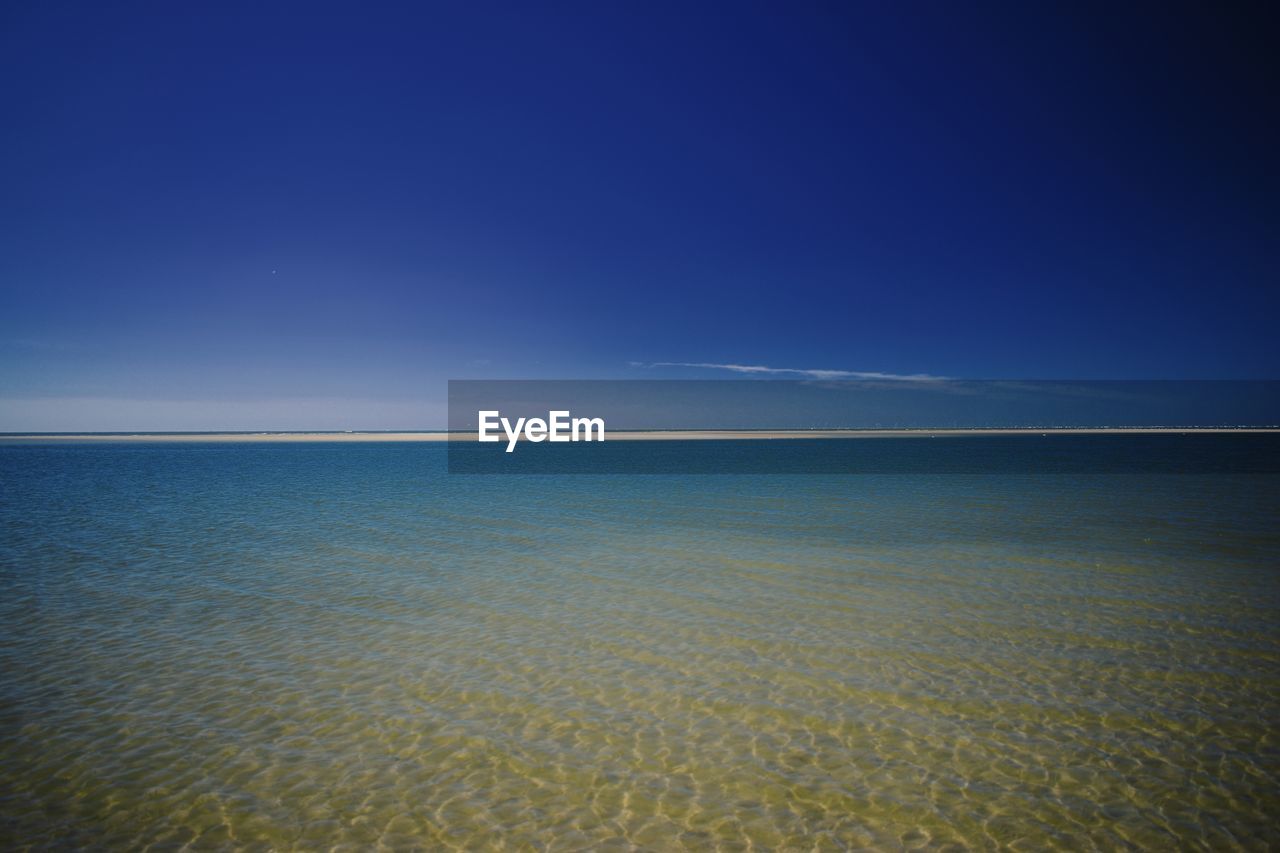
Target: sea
[(302, 646)]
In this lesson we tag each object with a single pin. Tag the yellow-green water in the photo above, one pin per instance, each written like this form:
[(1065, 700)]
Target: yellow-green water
[(299, 647)]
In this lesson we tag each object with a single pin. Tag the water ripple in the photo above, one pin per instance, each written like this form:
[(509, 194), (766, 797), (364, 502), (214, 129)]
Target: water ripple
[(302, 647)]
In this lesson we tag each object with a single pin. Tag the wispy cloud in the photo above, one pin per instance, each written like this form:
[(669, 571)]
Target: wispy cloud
[(807, 373)]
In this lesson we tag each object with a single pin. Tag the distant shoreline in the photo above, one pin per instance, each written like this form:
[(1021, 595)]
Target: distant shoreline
[(621, 435)]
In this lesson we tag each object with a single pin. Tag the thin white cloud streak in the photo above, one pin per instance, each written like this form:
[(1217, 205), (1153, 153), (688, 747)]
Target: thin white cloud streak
[(807, 373)]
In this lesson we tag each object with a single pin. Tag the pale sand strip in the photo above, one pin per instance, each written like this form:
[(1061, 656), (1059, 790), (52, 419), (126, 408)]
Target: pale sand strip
[(654, 435)]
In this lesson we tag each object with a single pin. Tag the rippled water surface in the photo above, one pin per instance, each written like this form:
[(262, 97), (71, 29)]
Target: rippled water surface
[(305, 645)]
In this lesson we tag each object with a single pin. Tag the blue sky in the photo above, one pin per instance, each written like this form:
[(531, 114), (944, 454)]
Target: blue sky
[(290, 216)]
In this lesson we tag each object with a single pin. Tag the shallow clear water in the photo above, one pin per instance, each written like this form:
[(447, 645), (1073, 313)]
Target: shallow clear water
[(293, 646)]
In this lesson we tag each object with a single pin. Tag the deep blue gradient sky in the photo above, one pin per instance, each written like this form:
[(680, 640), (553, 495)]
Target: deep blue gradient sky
[(304, 215)]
